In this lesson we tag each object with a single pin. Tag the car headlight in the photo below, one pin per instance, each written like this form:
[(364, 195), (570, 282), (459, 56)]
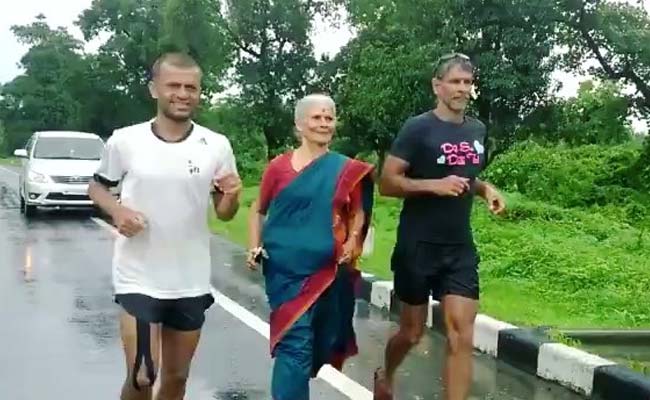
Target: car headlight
[(37, 177)]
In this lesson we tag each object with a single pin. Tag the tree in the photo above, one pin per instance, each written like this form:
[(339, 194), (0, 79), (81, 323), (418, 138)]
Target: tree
[(50, 93), (510, 42), (597, 115), (123, 62), (138, 33), (383, 82), (197, 28), (275, 63), (617, 35)]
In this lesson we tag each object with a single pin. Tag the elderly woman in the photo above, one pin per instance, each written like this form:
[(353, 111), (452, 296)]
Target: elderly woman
[(307, 227)]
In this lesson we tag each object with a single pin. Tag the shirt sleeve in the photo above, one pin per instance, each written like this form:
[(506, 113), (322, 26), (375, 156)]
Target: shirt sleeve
[(406, 143), (111, 167), (228, 164)]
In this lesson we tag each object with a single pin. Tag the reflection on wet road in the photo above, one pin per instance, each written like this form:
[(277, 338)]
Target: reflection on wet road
[(59, 334)]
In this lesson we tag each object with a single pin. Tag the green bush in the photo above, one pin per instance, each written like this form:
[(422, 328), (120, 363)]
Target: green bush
[(596, 177), (638, 175), (590, 268)]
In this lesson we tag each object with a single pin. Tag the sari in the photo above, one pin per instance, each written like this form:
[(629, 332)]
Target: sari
[(312, 297)]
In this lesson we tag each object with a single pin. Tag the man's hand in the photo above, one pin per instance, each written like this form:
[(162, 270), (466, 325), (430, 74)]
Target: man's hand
[(128, 222), (229, 184), (495, 201), (451, 185)]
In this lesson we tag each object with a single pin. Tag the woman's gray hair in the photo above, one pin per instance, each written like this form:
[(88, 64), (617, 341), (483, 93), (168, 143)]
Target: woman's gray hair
[(310, 101)]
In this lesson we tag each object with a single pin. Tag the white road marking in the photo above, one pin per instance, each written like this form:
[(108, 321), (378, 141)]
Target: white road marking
[(339, 381), (10, 171)]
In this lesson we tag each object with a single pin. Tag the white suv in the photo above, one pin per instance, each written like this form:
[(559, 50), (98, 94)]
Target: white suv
[(56, 169)]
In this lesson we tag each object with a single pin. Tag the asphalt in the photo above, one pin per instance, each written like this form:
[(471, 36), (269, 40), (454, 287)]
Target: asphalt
[(59, 333)]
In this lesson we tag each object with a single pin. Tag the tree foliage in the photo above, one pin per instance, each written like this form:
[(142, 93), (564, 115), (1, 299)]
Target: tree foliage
[(258, 55), (275, 62), (617, 35), (510, 42), (597, 115), (132, 31), (46, 95)]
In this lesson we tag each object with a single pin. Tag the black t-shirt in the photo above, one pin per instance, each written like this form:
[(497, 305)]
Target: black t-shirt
[(435, 149)]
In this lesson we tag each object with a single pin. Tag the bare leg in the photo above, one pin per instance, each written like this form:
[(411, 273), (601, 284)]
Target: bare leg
[(460, 313), (129, 333), (178, 349), (411, 329)]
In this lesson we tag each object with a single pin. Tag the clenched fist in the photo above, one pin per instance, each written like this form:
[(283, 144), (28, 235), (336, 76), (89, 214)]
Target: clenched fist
[(128, 222), (229, 184), (451, 185)]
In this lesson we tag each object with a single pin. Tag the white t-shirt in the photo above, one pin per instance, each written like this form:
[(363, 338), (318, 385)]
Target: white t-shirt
[(170, 183)]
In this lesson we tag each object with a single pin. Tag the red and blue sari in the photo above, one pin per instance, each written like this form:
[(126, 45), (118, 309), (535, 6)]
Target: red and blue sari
[(311, 296)]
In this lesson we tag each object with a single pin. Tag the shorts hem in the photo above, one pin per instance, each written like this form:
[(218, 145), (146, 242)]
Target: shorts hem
[(161, 295), (181, 314)]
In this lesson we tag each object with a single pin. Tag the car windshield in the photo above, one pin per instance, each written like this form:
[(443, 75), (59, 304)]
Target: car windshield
[(68, 148)]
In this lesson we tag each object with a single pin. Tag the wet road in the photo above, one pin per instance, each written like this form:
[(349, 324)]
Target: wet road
[(59, 334)]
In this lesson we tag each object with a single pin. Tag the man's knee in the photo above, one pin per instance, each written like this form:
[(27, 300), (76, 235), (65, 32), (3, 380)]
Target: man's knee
[(411, 335), (175, 379), (460, 339)]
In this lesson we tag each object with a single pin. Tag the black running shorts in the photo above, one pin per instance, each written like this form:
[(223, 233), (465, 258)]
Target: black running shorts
[(422, 269), (183, 314)]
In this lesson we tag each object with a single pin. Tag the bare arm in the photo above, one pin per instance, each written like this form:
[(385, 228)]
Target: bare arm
[(482, 187), (255, 219), (102, 197), (353, 242), (128, 222), (394, 183), (255, 223), (356, 223), (225, 205), (491, 195), (226, 197)]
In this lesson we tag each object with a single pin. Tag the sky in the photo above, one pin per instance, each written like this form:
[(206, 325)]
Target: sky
[(65, 13), (327, 40)]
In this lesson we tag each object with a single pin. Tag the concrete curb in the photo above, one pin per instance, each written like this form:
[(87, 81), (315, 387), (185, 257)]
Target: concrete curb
[(530, 351)]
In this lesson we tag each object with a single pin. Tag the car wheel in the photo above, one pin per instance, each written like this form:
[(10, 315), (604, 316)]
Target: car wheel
[(30, 211), (22, 204)]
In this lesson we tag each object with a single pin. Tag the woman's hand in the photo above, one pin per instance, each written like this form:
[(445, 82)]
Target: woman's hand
[(254, 257), (349, 250)]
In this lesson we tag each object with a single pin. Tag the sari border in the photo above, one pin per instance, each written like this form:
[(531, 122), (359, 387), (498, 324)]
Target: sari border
[(362, 170), (307, 297)]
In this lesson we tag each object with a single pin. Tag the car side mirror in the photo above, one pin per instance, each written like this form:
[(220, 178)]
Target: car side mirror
[(20, 153)]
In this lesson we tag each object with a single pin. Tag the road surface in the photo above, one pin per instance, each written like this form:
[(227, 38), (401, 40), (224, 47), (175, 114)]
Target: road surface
[(59, 333)]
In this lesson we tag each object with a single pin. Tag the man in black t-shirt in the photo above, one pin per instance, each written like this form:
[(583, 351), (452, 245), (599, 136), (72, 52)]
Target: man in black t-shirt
[(434, 165)]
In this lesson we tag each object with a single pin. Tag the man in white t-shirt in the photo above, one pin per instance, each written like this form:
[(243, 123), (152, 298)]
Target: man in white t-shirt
[(168, 168)]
